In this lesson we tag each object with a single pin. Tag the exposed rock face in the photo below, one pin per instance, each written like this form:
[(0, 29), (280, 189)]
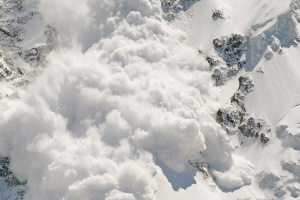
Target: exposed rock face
[(232, 52), (255, 128), (245, 87), (231, 49), (230, 117)]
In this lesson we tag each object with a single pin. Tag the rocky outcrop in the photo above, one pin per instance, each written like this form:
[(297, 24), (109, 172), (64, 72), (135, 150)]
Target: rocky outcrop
[(232, 57), (245, 87), (236, 52), (218, 14), (234, 118), (231, 49), (255, 128), (230, 117)]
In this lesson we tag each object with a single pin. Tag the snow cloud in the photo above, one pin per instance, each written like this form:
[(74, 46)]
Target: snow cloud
[(122, 90)]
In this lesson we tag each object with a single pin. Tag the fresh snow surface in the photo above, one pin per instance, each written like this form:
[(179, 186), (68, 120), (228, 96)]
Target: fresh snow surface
[(241, 15), (125, 108)]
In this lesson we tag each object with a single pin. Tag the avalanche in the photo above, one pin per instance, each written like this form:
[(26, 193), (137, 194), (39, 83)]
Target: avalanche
[(149, 99)]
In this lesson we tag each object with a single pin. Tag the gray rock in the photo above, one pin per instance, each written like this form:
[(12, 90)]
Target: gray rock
[(232, 52), (218, 14), (231, 49)]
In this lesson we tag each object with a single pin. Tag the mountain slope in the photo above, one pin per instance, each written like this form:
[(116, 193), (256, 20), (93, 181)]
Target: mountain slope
[(149, 99), (269, 99)]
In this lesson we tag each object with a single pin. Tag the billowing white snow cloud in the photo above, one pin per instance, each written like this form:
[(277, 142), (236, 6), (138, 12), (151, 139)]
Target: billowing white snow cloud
[(240, 174), (90, 125)]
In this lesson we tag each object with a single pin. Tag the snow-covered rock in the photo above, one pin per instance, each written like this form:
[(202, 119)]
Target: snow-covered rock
[(10, 187), (219, 14), (172, 7), (25, 42)]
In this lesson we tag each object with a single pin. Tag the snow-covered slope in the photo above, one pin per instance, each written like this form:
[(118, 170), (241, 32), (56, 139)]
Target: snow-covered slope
[(266, 105), (25, 41), (151, 99)]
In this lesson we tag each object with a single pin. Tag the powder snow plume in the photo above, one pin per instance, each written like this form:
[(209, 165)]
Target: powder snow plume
[(121, 91)]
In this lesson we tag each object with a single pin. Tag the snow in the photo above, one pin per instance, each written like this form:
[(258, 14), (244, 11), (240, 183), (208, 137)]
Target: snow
[(228, 90), (98, 116), (34, 33), (242, 16), (280, 83), (126, 103), (276, 79)]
